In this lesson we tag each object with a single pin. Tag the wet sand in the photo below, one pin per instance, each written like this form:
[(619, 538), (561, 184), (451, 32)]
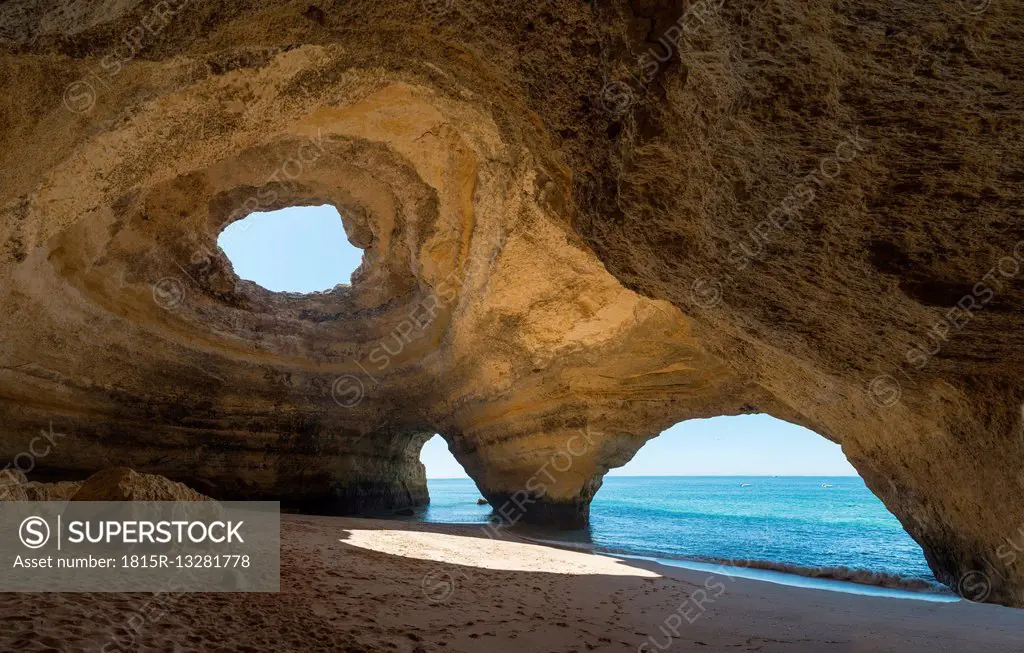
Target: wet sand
[(355, 585)]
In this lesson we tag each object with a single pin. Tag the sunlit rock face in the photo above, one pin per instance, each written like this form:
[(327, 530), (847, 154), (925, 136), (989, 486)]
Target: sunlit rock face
[(582, 223)]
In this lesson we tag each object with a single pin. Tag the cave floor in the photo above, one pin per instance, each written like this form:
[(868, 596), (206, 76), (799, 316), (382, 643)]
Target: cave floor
[(364, 585)]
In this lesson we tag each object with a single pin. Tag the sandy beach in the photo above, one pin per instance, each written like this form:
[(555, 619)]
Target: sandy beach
[(370, 585)]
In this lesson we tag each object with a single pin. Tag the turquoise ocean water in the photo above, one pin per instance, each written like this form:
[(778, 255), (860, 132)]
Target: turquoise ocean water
[(812, 525)]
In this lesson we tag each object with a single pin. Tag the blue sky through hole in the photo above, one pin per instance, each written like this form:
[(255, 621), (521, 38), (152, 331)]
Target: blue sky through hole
[(300, 249), (744, 445)]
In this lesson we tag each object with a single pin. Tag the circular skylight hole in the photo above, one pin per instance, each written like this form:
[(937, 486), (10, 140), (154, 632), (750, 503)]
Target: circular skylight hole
[(301, 249)]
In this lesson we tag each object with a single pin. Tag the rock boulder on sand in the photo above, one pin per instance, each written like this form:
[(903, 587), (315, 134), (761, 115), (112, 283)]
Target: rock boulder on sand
[(61, 491), (12, 485), (15, 486), (123, 484)]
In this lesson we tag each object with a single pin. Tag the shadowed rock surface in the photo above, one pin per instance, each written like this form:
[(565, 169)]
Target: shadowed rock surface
[(582, 224), (12, 485)]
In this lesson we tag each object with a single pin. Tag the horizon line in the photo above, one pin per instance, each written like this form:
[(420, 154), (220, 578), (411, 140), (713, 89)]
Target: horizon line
[(454, 478)]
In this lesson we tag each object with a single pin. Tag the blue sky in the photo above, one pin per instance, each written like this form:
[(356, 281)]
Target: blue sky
[(304, 249), (301, 249), (745, 445)]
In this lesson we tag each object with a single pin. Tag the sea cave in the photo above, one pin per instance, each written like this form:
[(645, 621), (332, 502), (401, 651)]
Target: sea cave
[(547, 232)]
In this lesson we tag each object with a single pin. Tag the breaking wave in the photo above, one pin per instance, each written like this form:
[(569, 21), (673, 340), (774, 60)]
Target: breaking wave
[(844, 574)]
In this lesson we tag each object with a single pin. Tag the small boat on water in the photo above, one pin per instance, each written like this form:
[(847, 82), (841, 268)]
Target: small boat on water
[(744, 484), (826, 485)]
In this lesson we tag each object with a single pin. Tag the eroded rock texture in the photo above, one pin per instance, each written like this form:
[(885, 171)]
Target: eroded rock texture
[(583, 222), (123, 484)]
